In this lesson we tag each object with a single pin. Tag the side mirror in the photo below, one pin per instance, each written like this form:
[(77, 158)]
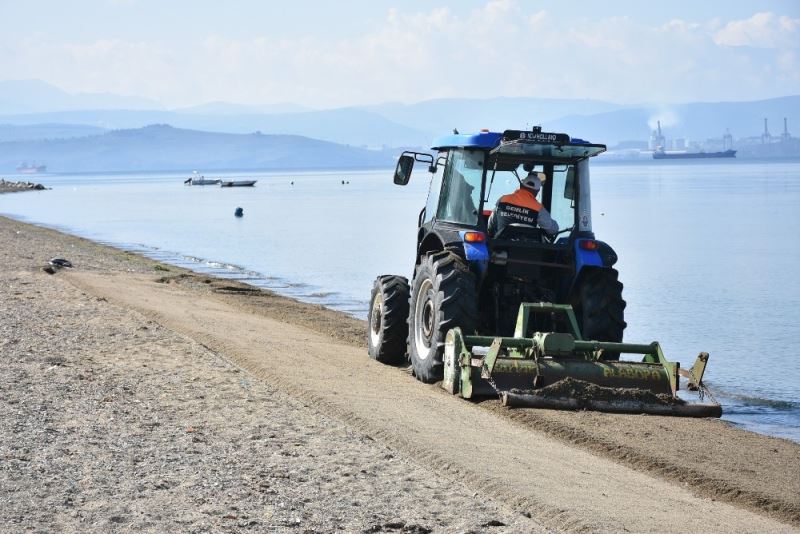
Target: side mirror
[(403, 171), (569, 186)]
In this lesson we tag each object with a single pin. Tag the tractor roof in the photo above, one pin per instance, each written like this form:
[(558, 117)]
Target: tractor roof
[(555, 146), (480, 140)]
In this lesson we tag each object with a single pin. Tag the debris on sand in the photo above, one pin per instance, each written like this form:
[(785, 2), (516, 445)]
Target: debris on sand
[(584, 392), (60, 262), (55, 264)]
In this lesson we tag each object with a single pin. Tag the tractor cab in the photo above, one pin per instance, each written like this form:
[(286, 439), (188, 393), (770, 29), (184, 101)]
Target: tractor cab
[(471, 172)]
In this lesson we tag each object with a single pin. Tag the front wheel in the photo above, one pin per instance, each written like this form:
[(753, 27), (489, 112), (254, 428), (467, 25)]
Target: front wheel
[(600, 308), (443, 296), (388, 319)]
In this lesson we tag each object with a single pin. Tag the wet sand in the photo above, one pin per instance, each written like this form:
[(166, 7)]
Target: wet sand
[(143, 396)]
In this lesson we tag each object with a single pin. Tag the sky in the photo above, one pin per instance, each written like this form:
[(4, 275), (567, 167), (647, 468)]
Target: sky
[(324, 54)]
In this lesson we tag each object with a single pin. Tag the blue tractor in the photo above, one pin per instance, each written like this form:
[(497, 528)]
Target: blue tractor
[(534, 317), (465, 278)]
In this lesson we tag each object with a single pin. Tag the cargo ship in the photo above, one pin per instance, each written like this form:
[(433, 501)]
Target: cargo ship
[(661, 154), (24, 168)]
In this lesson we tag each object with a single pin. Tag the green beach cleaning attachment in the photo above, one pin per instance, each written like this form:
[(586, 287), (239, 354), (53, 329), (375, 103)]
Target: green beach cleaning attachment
[(560, 370)]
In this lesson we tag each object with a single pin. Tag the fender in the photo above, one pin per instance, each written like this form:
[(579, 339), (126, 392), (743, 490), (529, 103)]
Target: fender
[(591, 252), (429, 243), (585, 256), (602, 257)]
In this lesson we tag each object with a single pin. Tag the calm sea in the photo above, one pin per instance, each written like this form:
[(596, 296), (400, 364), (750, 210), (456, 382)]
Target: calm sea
[(709, 252)]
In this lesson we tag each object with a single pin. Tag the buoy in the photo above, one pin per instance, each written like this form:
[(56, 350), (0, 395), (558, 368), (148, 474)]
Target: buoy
[(239, 212)]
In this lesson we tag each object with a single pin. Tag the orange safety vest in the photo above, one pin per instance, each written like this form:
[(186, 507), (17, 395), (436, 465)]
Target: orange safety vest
[(520, 207)]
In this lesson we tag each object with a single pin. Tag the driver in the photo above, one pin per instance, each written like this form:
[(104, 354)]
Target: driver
[(521, 207)]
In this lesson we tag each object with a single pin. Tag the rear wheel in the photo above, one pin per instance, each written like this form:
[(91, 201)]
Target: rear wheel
[(388, 319), (601, 309), (443, 296)]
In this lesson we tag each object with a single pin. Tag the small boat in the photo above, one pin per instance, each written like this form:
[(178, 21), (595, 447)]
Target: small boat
[(198, 179), (238, 183)]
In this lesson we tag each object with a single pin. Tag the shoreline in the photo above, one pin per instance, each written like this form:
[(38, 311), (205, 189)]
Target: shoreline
[(262, 282), (712, 458)]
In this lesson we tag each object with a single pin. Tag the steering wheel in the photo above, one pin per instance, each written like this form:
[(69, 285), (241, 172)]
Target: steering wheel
[(552, 238)]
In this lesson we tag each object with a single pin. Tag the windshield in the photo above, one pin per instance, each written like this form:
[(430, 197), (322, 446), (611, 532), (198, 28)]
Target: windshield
[(556, 196)]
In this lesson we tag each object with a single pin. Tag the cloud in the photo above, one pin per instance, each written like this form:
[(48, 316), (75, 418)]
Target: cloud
[(762, 30), (502, 47)]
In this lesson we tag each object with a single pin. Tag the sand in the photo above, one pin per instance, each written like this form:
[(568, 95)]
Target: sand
[(140, 396)]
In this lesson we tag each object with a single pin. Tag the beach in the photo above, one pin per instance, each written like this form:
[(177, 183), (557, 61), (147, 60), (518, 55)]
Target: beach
[(141, 396)]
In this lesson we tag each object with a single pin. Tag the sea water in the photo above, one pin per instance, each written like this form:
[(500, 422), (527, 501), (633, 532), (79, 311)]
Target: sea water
[(709, 251)]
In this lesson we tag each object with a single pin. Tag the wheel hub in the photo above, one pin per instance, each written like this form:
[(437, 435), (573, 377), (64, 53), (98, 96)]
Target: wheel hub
[(376, 319), (424, 319)]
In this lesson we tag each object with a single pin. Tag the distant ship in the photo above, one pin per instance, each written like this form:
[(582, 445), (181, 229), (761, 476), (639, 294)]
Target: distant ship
[(660, 154), (24, 168)]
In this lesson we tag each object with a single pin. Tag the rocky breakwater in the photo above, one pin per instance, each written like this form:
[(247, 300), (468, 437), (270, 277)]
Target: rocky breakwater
[(13, 187)]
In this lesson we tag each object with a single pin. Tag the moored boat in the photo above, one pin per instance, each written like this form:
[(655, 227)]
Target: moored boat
[(198, 179), (661, 154), (238, 183)]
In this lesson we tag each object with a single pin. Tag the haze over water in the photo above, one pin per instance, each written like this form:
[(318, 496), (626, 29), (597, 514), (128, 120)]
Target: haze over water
[(708, 251)]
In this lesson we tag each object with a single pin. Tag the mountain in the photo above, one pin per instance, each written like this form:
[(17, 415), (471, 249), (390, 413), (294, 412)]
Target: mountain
[(438, 117), (227, 108), (695, 121), (13, 132), (350, 126), (412, 125), (36, 96), (161, 147)]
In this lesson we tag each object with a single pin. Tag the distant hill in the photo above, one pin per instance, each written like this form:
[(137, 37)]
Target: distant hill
[(438, 117), (161, 147), (13, 132), (350, 126), (603, 122), (36, 96), (696, 121), (226, 108), (399, 125)]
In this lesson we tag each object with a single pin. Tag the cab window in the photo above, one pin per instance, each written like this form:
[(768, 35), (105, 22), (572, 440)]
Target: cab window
[(432, 203), (562, 205), (461, 187)]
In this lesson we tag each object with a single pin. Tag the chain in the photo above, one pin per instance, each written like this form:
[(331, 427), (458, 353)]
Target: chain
[(491, 380), (703, 391)]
